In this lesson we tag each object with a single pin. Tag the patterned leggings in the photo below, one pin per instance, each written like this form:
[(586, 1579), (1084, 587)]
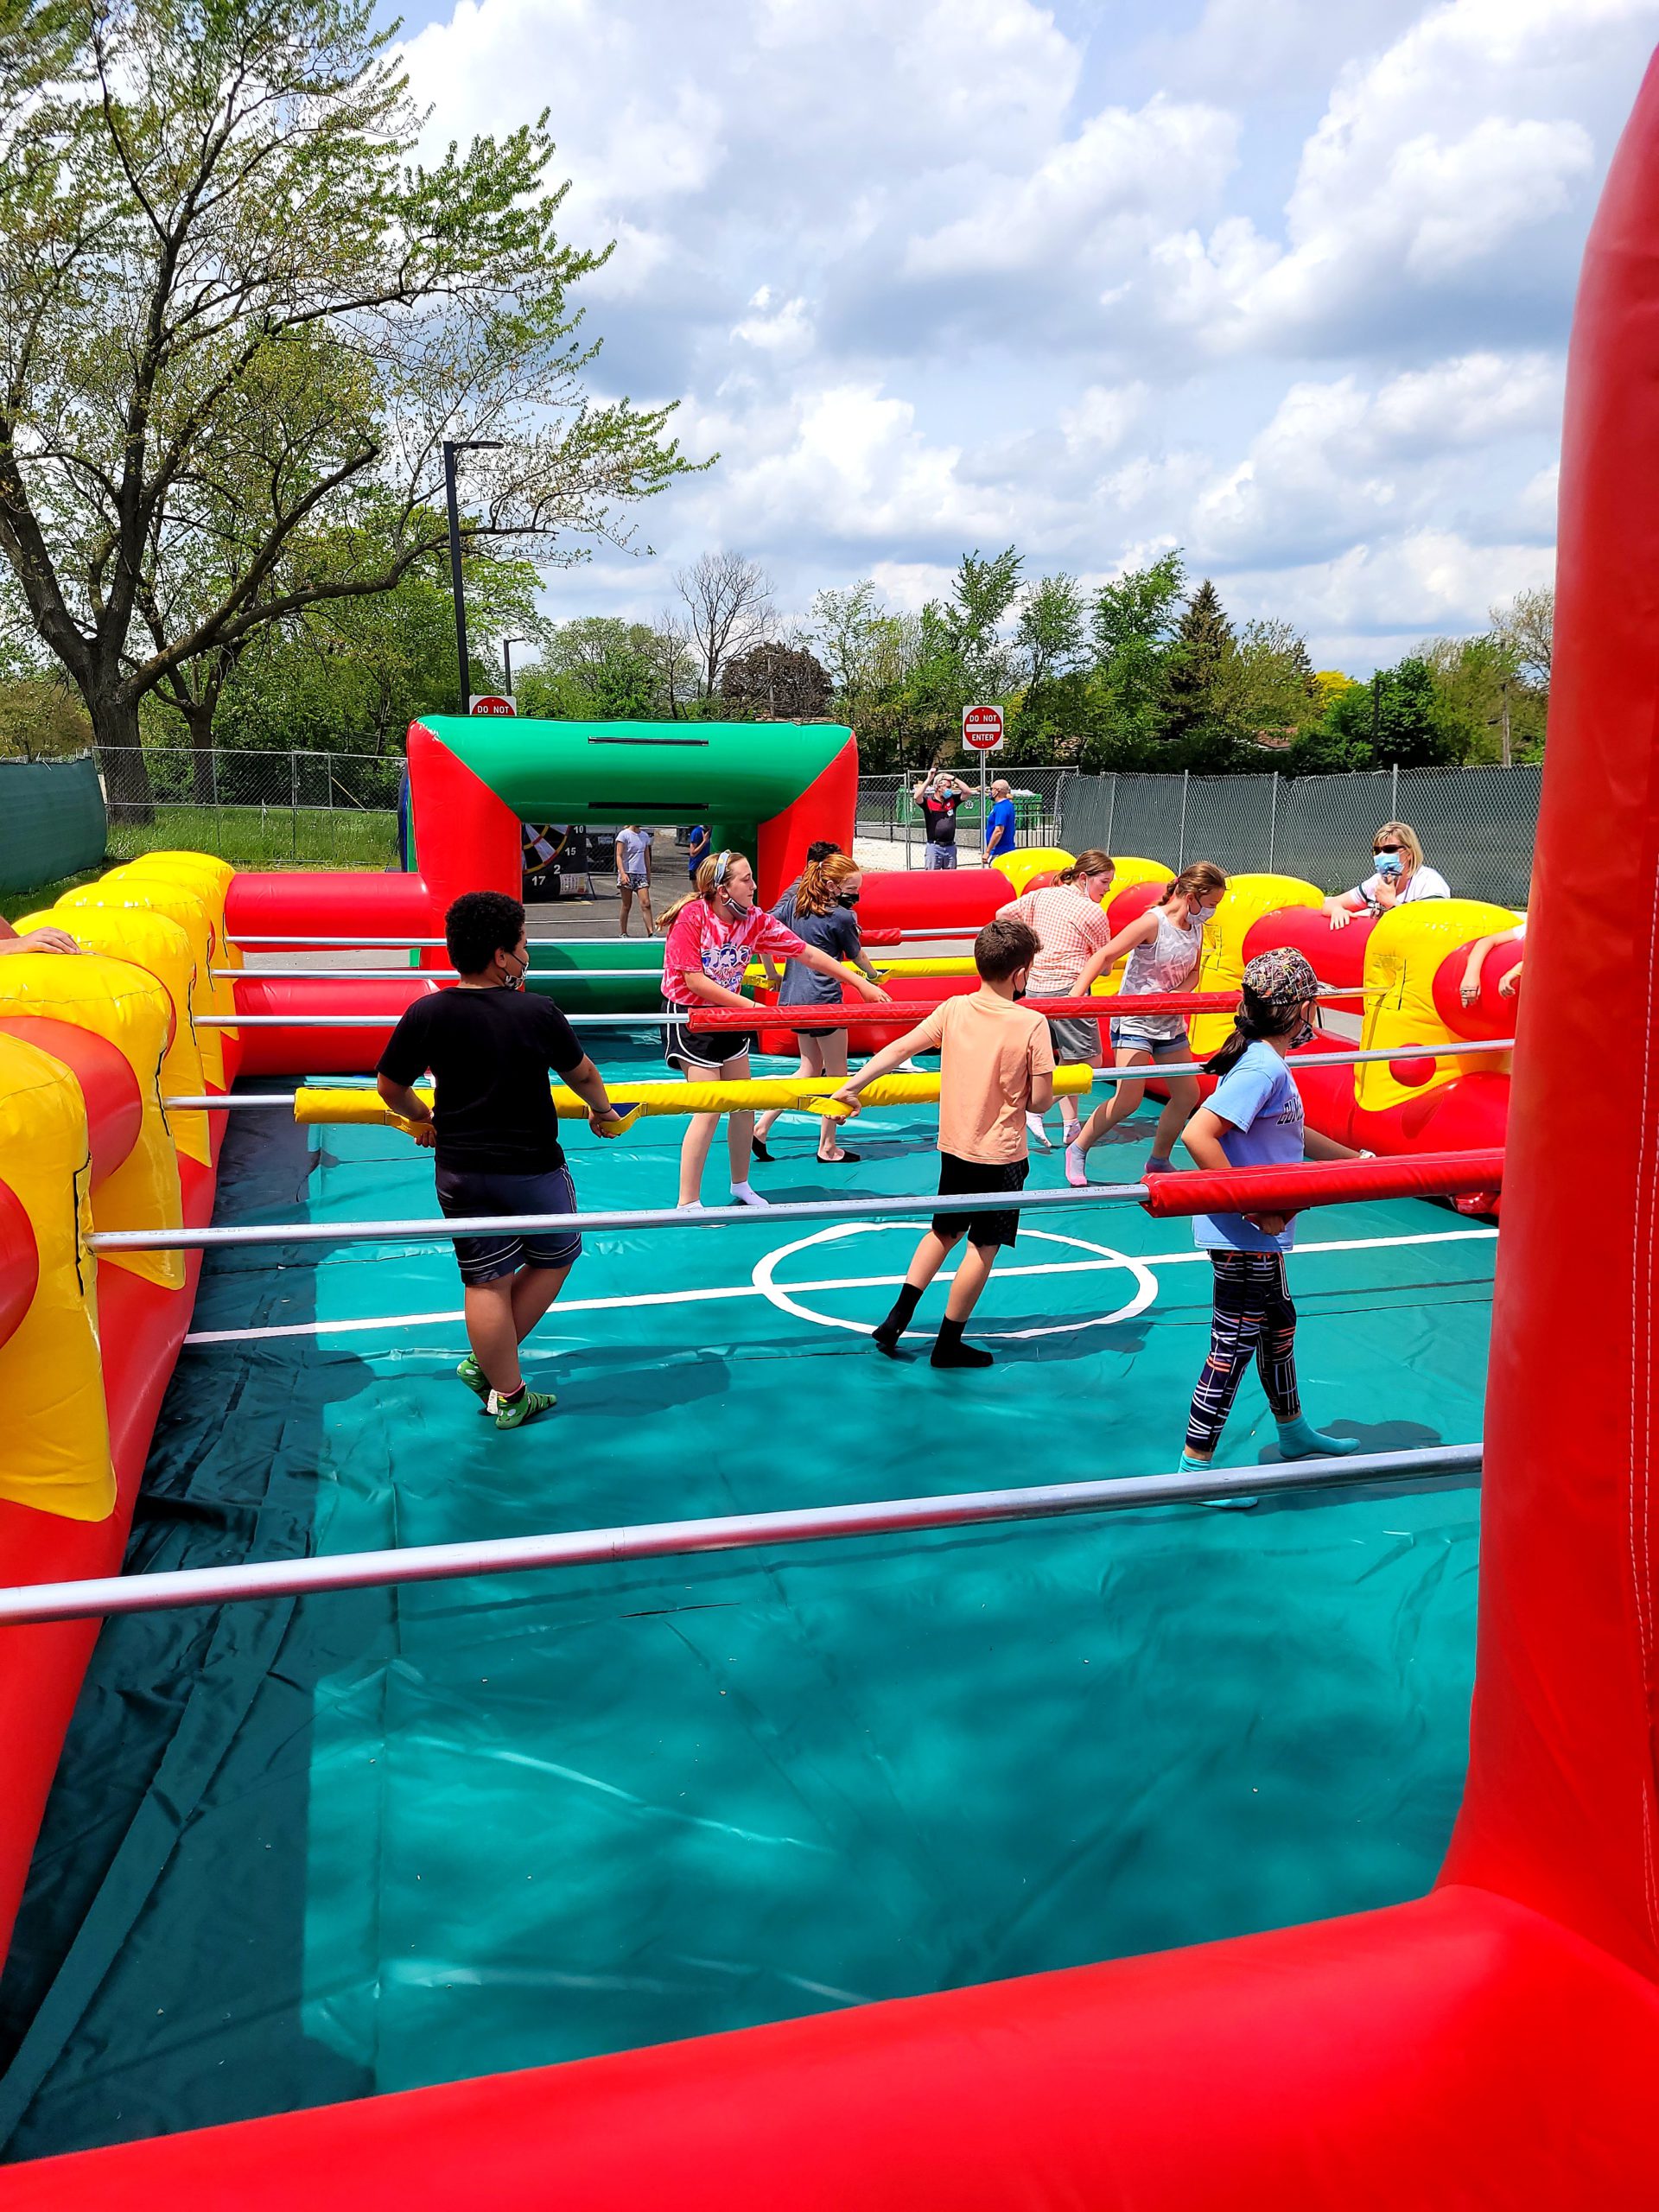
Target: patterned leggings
[(1253, 1317)]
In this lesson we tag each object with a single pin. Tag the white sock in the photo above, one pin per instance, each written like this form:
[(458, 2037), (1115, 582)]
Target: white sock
[(691, 1205), (745, 1194)]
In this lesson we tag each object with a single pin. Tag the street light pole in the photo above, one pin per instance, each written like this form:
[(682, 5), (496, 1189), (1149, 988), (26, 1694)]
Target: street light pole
[(507, 644), (451, 447)]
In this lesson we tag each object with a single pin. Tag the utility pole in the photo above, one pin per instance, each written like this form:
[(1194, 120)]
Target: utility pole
[(451, 447)]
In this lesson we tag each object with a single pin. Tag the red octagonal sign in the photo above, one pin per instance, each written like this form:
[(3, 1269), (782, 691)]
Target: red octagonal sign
[(981, 729)]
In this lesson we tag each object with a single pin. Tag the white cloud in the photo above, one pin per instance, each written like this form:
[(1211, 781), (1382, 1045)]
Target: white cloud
[(1287, 282), (1095, 197), (1103, 418), (1447, 151), (775, 326)]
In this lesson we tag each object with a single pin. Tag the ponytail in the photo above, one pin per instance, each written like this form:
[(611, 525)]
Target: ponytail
[(1093, 862), (1198, 879), (1251, 1024), (709, 872), (821, 882)]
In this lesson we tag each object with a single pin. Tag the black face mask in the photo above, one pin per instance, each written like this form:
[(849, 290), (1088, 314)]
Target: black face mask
[(847, 898)]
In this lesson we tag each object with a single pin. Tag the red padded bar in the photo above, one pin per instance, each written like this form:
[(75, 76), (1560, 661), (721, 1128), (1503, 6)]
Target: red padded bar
[(115, 1108), (20, 1262), (906, 1015), (1327, 1183)]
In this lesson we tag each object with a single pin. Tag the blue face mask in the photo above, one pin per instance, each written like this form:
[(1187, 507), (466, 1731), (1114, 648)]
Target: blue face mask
[(1388, 864)]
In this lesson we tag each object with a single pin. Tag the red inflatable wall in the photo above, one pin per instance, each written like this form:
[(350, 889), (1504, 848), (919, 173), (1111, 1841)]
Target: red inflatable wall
[(141, 1327), (1560, 1811)]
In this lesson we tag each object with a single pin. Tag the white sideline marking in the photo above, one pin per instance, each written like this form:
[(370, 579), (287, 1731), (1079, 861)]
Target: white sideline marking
[(829, 1282)]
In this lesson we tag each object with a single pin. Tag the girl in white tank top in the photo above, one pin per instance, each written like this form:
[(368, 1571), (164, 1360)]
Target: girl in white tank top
[(1163, 946)]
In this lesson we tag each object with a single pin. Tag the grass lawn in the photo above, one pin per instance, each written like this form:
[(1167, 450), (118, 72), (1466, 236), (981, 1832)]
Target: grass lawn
[(247, 837), (13, 903), (264, 836)]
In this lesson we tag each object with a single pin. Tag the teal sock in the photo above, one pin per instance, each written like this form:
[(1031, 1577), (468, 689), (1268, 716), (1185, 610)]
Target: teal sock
[(1298, 1440), (1191, 1466)]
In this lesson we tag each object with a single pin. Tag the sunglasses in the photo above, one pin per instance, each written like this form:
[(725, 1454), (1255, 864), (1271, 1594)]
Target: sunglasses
[(1385, 849)]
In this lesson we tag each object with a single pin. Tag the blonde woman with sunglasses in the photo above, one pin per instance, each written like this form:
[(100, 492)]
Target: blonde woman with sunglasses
[(1400, 877)]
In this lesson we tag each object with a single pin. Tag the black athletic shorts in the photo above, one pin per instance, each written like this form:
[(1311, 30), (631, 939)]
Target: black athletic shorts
[(464, 1191), (701, 1051), (959, 1177)]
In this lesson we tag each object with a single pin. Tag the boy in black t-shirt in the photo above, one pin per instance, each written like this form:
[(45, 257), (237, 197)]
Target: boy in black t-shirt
[(497, 1135)]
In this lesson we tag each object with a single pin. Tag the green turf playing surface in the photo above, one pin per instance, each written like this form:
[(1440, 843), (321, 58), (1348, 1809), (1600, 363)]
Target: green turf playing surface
[(305, 1851)]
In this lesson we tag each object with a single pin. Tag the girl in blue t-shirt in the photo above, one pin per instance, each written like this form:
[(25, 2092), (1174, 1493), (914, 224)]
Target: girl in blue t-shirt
[(1254, 1119)]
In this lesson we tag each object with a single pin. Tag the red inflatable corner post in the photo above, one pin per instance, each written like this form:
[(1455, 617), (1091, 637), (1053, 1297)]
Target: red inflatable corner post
[(1561, 1810)]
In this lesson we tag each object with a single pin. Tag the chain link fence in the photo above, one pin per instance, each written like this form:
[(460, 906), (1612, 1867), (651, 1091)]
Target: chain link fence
[(1476, 824), (890, 823), (254, 808), (339, 810)]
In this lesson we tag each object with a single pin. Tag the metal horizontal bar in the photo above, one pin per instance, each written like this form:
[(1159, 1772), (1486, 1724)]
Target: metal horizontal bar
[(218, 1585), (1096, 1075), (227, 1102), (1160, 1068), (334, 975), (518, 1224), (371, 943), (391, 1020)]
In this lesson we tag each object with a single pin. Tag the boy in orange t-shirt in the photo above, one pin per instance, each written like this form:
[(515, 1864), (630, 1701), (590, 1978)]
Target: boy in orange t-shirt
[(996, 1065)]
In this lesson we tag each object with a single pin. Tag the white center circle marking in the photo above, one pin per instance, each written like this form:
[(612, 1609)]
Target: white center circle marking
[(1146, 1283)]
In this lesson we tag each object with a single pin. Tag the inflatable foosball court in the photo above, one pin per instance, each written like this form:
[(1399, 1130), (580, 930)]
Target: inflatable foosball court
[(784, 1776)]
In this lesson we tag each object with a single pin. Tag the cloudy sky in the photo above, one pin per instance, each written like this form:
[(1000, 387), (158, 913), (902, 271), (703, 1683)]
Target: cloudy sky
[(1286, 283)]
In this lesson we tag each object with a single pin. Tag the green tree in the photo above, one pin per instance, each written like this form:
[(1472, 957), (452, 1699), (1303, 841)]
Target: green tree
[(1526, 625), (1134, 621), (1195, 679), (1394, 722), (1051, 639), (597, 668), (211, 238), (1265, 692), (777, 682), (1487, 709), (350, 675), (981, 592)]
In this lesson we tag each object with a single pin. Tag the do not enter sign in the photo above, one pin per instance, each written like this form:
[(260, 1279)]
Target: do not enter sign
[(981, 729)]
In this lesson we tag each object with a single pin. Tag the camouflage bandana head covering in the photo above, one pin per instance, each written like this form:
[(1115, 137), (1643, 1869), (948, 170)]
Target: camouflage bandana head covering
[(1279, 981)]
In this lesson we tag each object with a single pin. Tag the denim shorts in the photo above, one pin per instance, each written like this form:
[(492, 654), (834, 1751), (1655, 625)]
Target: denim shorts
[(941, 856), (1126, 1038), (465, 1191)]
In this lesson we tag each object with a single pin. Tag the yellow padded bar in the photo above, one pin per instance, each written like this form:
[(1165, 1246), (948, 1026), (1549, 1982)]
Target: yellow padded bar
[(314, 1102)]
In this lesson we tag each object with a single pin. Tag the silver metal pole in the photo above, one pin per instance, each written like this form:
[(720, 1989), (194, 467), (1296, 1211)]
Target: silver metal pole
[(409, 973), (1393, 791), (290, 1578), (1186, 779), (390, 1020), (1273, 823), (1098, 1075), (436, 944), (439, 1232), (1111, 810)]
